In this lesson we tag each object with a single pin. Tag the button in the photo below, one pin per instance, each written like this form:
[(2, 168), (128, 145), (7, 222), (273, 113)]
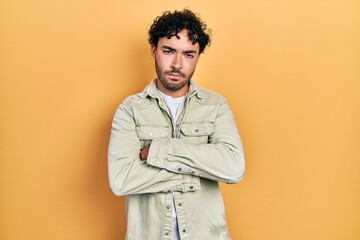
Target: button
[(191, 187), (196, 130), (179, 204), (184, 230), (179, 169), (168, 207), (167, 233), (157, 162)]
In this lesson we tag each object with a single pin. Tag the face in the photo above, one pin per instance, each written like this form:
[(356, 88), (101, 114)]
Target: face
[(175, 63)]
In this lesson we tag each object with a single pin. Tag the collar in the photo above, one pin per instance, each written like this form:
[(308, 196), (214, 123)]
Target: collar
[(194, 90)]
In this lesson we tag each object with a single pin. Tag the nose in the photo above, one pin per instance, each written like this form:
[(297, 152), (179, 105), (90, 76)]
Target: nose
[(177, 62)]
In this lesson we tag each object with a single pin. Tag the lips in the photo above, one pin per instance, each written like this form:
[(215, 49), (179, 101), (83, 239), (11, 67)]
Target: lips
[(175, 74)]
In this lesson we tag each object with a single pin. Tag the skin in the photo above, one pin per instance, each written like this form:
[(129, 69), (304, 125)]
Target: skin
[(175, 63)]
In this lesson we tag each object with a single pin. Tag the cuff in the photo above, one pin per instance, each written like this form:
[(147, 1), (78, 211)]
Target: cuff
[(190, 184), (158, 152)]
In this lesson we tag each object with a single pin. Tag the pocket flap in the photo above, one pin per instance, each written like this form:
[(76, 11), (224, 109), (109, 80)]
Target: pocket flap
[(151, 132), (197, 129)]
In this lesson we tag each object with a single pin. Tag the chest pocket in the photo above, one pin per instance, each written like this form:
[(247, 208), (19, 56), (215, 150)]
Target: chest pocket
[(147, 133), (196, 133)]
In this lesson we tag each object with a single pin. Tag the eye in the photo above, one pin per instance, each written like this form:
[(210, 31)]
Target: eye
[(167, 51), (189, 55)]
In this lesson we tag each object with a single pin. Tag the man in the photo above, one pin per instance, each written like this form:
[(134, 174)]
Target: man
[(172, 143)]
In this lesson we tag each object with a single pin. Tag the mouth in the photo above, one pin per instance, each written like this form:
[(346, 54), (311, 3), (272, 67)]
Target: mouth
[(175, 75)]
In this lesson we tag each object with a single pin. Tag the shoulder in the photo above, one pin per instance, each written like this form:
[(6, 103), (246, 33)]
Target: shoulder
[(209, 96), (137, 100)]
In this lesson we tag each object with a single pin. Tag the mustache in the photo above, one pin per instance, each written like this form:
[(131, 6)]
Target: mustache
[(176, 71)]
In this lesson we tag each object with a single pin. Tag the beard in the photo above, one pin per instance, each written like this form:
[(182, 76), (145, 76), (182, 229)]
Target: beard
[(169, 84)]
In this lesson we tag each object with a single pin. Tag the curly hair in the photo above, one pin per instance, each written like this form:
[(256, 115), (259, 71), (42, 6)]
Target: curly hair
[(170, 24)]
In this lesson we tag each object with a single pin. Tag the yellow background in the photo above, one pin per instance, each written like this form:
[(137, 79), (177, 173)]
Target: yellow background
[(289, 69)]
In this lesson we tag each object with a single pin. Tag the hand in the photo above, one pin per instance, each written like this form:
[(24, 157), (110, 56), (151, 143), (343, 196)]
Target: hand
[(144, 153)]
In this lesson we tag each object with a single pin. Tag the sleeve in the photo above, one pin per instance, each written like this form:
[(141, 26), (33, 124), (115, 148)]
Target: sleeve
[(127, 173), (221, 159)]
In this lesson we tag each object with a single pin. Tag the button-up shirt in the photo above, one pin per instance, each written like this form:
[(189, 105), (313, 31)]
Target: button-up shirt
[(183, 166)]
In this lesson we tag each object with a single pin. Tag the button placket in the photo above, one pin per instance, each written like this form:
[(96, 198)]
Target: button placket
[(181, 216), (168, 216)]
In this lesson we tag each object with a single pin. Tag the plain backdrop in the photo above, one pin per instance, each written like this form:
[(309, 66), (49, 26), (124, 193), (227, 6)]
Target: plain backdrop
[(290, 71)]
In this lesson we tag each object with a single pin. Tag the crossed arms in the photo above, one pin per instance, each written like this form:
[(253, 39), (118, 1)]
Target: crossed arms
[(172, 164)]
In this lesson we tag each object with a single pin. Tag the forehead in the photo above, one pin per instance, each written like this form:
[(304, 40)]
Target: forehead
[(179, 42)]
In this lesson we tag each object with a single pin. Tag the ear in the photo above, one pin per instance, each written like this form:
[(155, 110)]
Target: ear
[(153, 50)]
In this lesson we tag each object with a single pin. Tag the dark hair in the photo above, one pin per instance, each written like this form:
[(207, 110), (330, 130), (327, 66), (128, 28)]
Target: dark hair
[(170, 24)]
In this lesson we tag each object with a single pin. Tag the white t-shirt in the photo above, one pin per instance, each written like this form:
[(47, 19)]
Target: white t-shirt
[(174, 105)]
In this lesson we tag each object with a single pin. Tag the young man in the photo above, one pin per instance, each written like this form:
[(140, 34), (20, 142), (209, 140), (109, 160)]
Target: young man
[(172, 143)]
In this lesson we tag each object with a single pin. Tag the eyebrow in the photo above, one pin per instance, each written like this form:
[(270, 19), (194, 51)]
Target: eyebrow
[(169, 48), (174, 50)]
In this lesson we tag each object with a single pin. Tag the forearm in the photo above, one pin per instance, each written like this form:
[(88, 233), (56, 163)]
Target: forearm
[(218, 162), (136, 177)]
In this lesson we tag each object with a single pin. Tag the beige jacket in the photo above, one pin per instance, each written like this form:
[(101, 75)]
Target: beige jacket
[(185, 164)]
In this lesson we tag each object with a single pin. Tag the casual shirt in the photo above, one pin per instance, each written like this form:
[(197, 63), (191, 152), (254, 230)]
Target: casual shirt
[(186, 160)]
